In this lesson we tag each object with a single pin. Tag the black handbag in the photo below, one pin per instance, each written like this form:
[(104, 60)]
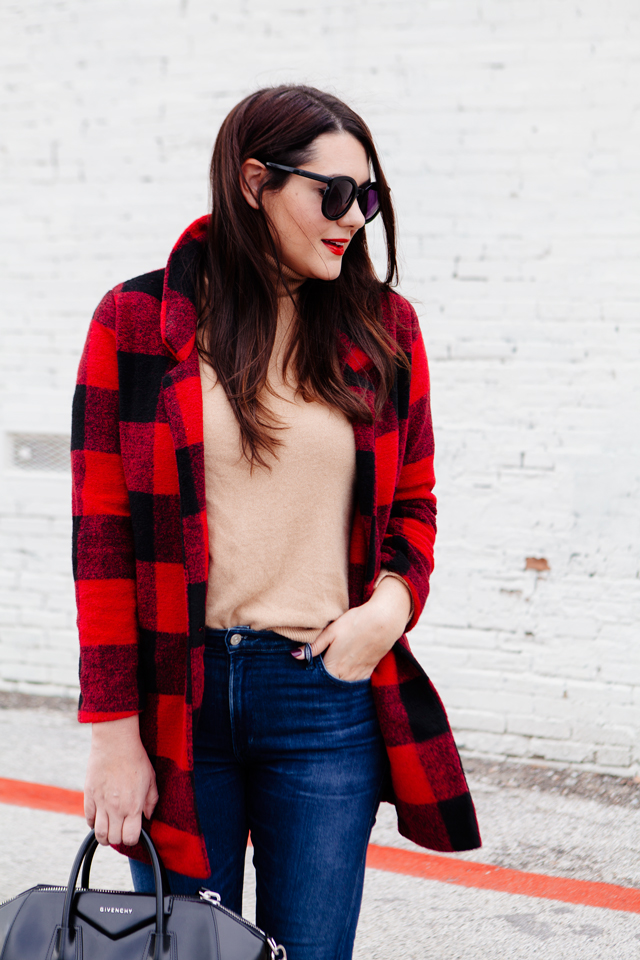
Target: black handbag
[(54, 923)]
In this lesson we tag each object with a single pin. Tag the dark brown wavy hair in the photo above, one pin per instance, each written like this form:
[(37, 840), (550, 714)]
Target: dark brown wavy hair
[(238, 287)]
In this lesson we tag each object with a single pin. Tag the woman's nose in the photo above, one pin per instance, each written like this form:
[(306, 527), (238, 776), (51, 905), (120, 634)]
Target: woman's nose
[(353, 218)]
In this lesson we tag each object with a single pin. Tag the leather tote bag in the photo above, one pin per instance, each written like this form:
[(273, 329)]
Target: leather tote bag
[(54, 923)]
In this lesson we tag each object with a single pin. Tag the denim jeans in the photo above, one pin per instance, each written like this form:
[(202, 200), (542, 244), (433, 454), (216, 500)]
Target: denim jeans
[(295, 756)]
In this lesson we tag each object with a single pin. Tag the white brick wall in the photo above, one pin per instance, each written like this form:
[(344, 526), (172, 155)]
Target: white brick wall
[(511, 137)]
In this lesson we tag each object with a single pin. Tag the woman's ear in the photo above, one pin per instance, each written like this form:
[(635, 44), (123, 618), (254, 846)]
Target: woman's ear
[(252, 174)]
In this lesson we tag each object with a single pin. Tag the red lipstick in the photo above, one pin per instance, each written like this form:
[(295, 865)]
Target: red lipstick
[(336, 246)]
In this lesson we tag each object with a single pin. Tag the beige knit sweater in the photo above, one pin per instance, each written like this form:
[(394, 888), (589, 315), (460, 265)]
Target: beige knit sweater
[(278, 537)]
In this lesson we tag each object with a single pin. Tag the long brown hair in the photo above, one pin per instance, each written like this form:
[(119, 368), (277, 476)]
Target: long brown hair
[(239, 288)]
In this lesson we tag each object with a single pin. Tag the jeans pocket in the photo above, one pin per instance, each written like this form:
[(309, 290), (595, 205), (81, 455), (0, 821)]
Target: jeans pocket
[(337, 680)]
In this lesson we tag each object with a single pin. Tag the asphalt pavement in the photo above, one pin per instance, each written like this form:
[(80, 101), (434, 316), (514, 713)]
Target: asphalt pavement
[(533, 819)]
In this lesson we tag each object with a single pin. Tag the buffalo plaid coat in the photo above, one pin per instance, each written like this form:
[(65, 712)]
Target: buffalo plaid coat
[(141, 551)]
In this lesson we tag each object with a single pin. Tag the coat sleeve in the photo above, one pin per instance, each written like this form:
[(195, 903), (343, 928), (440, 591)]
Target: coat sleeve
[(103, 556), (407, 547)]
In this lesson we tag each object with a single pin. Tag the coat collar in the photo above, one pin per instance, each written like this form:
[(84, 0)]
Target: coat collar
[(179, 317)]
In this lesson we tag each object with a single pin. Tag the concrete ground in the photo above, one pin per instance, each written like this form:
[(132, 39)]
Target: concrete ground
[(532, 819)]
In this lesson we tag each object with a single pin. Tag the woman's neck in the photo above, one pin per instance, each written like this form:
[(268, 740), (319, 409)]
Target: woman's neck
[(286, 320), (288, 285), (289, 282)]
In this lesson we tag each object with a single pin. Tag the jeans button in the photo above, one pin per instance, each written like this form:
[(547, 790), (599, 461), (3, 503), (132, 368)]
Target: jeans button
[(235, 639)]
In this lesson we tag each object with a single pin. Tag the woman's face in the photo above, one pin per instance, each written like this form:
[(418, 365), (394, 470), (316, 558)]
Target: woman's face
[(308, 243)]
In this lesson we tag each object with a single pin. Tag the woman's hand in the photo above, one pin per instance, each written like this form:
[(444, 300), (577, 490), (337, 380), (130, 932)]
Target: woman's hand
[(357, 641), (120, 784)]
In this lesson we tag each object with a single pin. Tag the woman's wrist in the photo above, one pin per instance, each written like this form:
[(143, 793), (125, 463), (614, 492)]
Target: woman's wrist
[(393, 598), (390, 606), (113, 733)]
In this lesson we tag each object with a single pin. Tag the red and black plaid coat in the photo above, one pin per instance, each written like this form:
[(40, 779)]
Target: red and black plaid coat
[(141, 551)]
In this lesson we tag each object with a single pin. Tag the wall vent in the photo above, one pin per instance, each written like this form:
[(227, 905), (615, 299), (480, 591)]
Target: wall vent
[(40, 452)]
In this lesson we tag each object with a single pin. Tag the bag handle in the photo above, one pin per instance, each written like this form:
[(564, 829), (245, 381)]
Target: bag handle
[(86, 866), (88, 863), (65, 947)]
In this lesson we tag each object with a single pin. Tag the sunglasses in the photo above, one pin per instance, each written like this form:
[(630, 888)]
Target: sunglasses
[(340, 193)]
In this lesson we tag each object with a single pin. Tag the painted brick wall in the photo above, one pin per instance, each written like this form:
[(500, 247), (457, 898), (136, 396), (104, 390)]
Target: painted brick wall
[(510, 133)]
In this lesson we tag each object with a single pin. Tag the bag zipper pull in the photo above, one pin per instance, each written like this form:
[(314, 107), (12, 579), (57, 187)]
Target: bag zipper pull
[(209, 895), (278, 952)]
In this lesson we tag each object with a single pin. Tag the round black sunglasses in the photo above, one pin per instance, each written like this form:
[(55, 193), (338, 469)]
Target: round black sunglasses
[(340, 193)]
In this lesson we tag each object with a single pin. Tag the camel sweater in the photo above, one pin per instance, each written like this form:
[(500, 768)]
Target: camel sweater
[(278, 537)]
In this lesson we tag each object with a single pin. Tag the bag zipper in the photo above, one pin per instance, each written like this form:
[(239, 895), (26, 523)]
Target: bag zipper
[(210, 896), (213, 900), (39, 886), (51, 886)]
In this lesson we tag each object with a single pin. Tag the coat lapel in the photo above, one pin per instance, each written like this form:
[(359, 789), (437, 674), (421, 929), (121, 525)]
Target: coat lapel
[(356, 368), (182, 394)]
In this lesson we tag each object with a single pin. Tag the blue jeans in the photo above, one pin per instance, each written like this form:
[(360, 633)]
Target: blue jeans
[(295, 756)]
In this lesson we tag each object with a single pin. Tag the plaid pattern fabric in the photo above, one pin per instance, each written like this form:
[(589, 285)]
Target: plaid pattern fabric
[(140, 551)]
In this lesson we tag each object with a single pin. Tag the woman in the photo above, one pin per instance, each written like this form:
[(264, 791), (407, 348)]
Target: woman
[(254, 522)]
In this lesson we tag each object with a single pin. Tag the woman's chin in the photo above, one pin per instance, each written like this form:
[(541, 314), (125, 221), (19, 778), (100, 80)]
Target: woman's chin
[(328, 271)]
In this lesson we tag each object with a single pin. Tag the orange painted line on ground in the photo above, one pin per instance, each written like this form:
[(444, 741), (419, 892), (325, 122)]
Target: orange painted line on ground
[(485, 876), (38, 796), (426, 866)]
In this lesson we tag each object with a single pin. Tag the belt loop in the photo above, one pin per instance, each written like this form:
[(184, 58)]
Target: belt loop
[(308, 656)]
